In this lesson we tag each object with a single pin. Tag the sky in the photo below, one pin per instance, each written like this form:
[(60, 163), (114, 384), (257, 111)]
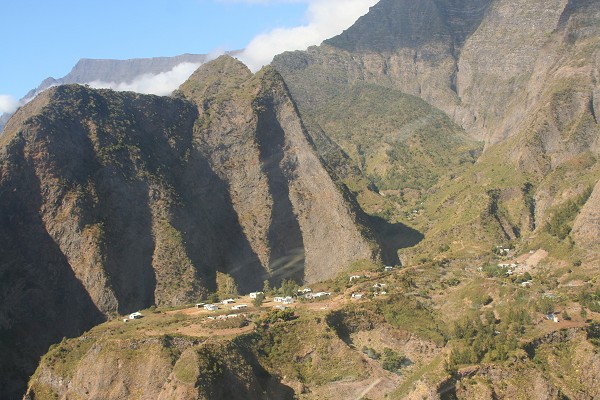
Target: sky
[(41, 38)]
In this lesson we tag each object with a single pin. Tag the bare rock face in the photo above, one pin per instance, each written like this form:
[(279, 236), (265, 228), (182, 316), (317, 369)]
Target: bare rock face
[(410, 46), (287, 203), (520, 76), (483, 63), (586, 229)]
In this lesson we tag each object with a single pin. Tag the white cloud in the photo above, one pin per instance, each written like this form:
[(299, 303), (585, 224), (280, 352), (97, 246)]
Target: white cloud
[(160, 84), (326, 18), (8, 104)]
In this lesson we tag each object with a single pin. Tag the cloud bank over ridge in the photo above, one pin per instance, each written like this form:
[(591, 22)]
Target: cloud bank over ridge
[(8, 104), (160, 84), (325, 18)]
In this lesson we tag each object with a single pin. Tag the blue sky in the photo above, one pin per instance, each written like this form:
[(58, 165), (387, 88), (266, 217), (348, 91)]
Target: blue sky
[(44, 38)]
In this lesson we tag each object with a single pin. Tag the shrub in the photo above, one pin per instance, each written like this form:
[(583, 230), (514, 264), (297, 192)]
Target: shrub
[(371, 353), (392, 361)]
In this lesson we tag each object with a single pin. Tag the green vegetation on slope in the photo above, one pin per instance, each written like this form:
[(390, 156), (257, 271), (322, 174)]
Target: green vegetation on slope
[(399, 141)]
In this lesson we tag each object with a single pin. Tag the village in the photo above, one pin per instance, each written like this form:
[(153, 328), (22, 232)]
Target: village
[(367, 285)]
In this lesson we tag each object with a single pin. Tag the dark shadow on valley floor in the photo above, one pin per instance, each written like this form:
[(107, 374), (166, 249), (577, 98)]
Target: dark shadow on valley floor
[(393, 237)]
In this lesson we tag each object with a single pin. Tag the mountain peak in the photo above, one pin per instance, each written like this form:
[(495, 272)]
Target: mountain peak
[(394, 24), (218, 76)]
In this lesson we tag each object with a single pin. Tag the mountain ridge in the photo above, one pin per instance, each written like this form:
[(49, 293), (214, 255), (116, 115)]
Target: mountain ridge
[(145, 200), (88, 70)]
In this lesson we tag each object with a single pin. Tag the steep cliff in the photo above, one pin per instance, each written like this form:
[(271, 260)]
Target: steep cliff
[(288, 205), (522, 77)]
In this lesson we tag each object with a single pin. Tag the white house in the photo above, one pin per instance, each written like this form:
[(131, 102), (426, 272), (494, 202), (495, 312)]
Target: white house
[(239, 307), (388, 268), (228, 301), (306, 290), (211, 307), (552, 317), (278, 299), (353, 277), (288, 300), (135, 315), (253, 295), (321, 294), (357, 296)]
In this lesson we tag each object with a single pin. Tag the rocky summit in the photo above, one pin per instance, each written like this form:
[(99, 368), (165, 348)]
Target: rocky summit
[(407, 211)]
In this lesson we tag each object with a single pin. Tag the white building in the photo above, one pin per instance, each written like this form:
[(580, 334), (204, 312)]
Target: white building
[(239, 307), (211, 307), (228, 301), (135, 315), (253, 295), (321, 294)]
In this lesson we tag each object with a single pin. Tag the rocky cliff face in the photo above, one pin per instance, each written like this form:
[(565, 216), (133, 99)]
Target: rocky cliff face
[(287, 203), (117, 201), (520, 76), (467, 58)]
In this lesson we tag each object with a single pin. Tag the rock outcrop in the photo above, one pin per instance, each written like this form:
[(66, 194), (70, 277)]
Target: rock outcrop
[(288, 205), (154, 368), (467, 58)]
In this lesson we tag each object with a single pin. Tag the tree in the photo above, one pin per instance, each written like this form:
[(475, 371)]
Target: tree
[(267, 287), (257, 302), (226, 285), (288, 287), (212, 298), (392, 361)]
